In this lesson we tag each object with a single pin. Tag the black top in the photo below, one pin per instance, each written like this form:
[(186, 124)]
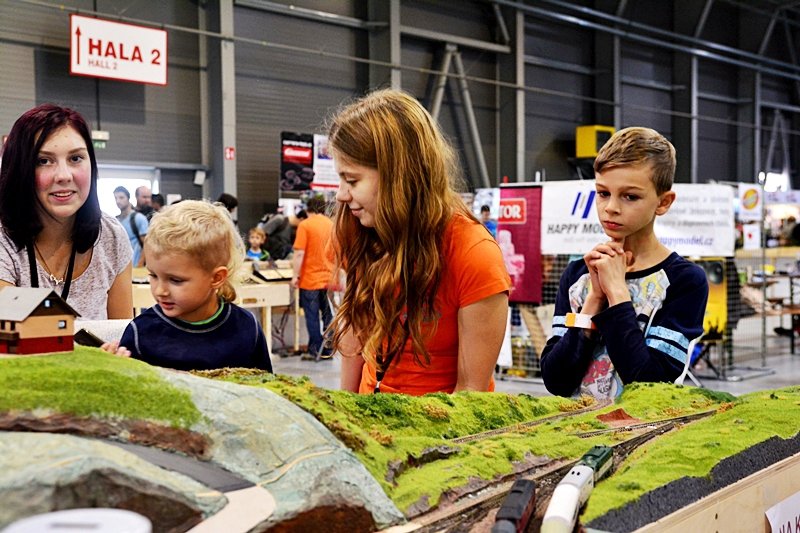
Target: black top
[(645, 339), (232, 339)]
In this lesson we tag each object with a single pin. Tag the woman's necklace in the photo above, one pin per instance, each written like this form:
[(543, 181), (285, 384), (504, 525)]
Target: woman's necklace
[(56, 281)]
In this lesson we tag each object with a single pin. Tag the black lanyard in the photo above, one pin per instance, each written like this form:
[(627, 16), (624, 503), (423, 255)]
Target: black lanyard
[(35, 274), (380, 371)]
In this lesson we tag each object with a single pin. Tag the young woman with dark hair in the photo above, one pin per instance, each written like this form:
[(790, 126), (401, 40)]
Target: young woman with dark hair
[(52, 232)]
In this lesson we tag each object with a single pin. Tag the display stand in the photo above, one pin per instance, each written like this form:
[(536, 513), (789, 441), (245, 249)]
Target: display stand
[(738, 507), (725, 370)]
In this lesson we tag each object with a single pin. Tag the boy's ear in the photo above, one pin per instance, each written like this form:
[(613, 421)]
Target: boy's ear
[(665, 202), (218, 276)]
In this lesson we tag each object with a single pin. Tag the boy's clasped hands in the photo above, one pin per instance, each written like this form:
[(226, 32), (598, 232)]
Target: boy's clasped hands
[(607, 263)]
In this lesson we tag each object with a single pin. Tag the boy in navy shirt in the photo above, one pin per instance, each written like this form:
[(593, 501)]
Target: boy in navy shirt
[(193, 250), (628, 310)]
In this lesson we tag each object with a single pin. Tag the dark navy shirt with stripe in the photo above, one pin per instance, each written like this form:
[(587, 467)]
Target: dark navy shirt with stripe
[(645, 339), (232, 339)]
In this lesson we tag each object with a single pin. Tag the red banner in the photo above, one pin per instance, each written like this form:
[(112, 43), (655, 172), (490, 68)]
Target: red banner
[(518, 233)]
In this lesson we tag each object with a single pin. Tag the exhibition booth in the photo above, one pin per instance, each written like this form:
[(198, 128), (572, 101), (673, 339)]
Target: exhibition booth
[(749, 284)]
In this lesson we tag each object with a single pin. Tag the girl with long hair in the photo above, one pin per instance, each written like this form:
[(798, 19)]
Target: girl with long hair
[(426, 295), (52, 232)]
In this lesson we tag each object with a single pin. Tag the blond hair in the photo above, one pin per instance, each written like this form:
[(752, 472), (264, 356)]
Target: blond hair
[(636, 146), (393, 269), (204, 232), (258, 231)]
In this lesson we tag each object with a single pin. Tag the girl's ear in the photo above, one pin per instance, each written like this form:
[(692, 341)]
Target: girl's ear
[(218, 276), (665, 202)]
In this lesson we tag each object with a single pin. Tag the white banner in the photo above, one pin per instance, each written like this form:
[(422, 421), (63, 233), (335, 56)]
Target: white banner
[(751, 201), (751, 236), (569, 218), (325, 176), (782, 197), (699, 223), (106, 49)]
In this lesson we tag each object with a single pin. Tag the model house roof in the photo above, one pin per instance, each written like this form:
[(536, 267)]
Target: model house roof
[(17, 303)]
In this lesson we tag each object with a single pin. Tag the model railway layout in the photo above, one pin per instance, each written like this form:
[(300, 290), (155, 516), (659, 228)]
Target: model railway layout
[(597, 463), (522, 427), (647, 425), (572, 492)]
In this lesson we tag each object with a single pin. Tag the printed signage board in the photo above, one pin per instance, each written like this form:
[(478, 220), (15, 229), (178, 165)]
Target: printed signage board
[(699, 223), (518, 236), (785, 515), (113, 50), (297, 159), (751, 202), (325, 176), (779, 197), (569, 223)]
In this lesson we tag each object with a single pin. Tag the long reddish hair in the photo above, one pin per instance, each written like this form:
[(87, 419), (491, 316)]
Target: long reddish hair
[(393, 270)]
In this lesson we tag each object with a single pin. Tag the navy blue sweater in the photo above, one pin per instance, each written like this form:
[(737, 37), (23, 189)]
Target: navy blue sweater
[(645, 339), (232, 339)]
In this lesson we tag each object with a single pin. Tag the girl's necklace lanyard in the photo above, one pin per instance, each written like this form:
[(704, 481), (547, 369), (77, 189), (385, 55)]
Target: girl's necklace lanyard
[(381, 371), (35, 274)]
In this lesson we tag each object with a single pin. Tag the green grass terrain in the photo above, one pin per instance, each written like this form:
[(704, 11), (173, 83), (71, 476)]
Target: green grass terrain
[(88, 382), (386, 428), (393, 435), (698, 447)]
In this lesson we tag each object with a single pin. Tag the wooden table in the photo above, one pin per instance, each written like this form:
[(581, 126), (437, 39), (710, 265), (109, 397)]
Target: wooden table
[(790, 308), (262, 296)]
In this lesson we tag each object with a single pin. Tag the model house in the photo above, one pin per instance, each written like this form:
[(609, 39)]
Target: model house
[(35, 321)]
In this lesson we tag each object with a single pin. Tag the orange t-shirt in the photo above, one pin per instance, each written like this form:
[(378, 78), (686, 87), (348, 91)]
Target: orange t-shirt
[(313, 237), (473, 270)]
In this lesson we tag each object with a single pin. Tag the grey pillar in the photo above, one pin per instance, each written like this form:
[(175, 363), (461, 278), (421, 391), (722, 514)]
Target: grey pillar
[(466, 99), (441, 82), (607, 80), (748, 150), (689, 17), (222, 102), (684, 130), (752, 32), (511, 106), (384, 44)]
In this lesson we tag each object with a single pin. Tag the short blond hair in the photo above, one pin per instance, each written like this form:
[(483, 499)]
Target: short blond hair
[(636, 146), (204, 232), (258, 231)]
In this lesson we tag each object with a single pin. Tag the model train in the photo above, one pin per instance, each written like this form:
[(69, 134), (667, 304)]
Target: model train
[(517, 508), (573, 491)]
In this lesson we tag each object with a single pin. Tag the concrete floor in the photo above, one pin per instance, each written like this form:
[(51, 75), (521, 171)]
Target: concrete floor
[(781, 370)]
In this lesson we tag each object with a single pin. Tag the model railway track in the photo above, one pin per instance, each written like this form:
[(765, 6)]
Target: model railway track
[(647, 425), (524, 426), (473, 508), (470, 510)]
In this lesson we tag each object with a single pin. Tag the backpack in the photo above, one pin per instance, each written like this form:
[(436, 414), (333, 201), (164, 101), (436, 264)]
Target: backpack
[(132, 222)]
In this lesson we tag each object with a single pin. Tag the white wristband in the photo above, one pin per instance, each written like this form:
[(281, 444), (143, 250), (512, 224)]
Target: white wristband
[(579, 320)]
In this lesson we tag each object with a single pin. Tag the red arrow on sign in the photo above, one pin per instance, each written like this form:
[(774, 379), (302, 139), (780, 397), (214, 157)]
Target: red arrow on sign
[(78, 34)]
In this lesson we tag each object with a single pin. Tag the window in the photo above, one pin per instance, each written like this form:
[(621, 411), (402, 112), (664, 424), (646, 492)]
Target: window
[(62, 324), (128, 176), (48, 304)]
